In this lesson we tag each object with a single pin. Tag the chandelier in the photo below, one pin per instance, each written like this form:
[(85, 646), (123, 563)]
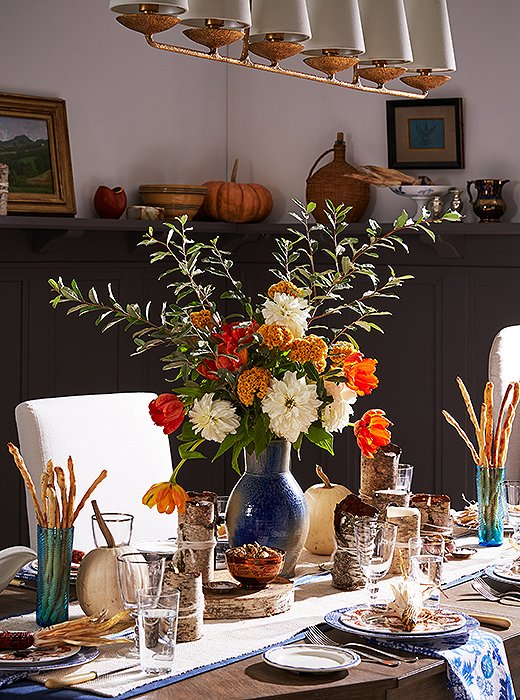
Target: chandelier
[(380, 40)]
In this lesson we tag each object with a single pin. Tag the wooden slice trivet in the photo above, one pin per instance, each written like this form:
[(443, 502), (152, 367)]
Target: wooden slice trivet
[(276, 598)]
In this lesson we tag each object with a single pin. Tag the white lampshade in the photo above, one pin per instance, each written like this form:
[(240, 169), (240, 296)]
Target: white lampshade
[(164, 7), (288, 17), (430, 34), (385, 31), (335, 24), (234, 13)]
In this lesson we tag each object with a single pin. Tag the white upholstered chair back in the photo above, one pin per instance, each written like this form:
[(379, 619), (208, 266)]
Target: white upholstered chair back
[(110, 431), (504, 367)]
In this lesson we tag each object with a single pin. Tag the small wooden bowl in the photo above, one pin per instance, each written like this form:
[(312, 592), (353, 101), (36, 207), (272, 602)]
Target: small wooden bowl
[(255, 572), (175, 199)]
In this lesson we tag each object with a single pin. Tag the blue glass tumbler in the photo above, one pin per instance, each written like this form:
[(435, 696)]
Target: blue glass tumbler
[(53, 587), (490, 499)]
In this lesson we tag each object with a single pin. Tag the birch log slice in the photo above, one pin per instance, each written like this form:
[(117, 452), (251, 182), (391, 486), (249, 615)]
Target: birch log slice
[(276, 598)]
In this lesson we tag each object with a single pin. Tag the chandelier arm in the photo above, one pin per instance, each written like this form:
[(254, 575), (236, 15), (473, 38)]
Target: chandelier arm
[(247, 63)]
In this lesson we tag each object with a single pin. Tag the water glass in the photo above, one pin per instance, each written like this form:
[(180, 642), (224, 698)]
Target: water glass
[(426, 569), (404, 478), (136, 571), (428, 544), (512, 501), (375, 543), (157, 617), (119, 524)]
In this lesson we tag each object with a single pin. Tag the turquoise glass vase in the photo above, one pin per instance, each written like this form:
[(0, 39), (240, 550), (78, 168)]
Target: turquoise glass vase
[(267, 505), (53, 585), (490, 499)]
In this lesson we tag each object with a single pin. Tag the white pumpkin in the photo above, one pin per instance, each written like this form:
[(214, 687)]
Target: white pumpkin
[(321, 501), (97, 584)]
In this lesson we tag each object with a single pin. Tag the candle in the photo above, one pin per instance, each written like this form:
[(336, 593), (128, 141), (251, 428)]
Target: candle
[(386, 497), (435, 511), (408, 521), (379, 472)]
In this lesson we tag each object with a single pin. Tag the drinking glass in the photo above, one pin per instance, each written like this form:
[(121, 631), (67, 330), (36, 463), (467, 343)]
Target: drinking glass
[(157, 617), (512, 498), (222, 537), (119, 524), (136, 571), (428, 544), (375, 548), (404, 478), (426, 569)]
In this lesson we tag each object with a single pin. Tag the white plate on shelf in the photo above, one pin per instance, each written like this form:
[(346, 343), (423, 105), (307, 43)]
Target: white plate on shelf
[(311, 658)]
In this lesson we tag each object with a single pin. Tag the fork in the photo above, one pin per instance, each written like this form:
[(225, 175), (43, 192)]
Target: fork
[(316, 636), (362, 649), (492, 594)]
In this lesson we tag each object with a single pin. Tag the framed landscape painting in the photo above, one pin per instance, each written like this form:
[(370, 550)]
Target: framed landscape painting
[(427, 134), (34, 142)]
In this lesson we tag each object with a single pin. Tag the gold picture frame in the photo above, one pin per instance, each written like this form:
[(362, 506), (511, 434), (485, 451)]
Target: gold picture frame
[(34, 142)]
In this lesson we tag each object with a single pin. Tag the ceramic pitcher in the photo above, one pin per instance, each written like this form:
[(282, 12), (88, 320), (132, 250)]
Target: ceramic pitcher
[(488, 205)]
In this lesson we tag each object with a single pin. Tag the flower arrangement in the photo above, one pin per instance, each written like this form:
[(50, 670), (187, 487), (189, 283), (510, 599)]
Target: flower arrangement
[(288, 367)]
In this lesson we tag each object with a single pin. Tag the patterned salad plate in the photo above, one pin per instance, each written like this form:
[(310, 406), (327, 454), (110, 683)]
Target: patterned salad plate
[(36, 660), (505, 572)]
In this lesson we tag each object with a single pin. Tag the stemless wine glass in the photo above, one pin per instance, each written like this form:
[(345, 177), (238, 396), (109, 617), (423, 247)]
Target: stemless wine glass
[(135, 572), (428, 544), (426, 569), (512, 496), (404, 478), (119, 524), (375, 548)]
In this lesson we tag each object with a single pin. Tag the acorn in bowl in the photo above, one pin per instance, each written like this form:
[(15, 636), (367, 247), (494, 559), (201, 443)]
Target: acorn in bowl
[(253, 565)]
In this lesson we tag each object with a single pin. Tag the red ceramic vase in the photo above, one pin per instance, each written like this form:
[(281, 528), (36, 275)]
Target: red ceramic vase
[(109, 202)]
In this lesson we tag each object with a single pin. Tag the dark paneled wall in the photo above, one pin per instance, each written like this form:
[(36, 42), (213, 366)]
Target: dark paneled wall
[(466, 288)]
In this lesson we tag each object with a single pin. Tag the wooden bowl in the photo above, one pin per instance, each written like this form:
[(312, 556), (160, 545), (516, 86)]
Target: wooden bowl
[(176, 200), (255, 572)]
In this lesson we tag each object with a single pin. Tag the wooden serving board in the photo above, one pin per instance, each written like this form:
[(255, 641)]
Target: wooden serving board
[(276, 598)]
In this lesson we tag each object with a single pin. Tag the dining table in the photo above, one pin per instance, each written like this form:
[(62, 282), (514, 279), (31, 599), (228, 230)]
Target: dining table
[(250, 677)]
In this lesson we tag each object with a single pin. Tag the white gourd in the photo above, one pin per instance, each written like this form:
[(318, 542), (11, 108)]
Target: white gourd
[(321, 500), (97, 584)]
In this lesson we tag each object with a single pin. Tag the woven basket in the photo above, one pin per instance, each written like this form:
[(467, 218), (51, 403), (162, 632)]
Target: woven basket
[(332, 182), (4, 188)]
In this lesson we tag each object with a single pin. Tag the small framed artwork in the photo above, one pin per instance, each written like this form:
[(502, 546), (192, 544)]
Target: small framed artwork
[(426, 134), (34, 142)]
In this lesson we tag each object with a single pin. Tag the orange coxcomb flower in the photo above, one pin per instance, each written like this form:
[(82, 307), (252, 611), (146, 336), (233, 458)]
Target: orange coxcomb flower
[(360, 375), (166, 495), (341, 351), (202, 319), (284, 287), (276, 336), (253, 382), (371, 431), (311, 348)]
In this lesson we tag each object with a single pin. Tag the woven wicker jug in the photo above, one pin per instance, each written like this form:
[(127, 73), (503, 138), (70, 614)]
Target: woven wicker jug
[(332, 182)]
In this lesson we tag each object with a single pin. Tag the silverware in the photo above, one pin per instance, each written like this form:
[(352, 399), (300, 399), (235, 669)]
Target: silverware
[(486, 591), (83, 677), (354, 645), (316, 636)]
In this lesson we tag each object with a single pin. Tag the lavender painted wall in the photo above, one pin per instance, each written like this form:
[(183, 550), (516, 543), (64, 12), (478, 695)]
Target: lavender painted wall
[(137, 115)]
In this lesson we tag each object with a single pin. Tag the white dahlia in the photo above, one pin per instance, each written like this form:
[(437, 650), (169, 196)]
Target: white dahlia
[(336, 415), (213, 419), (292, 405), (286, 310)]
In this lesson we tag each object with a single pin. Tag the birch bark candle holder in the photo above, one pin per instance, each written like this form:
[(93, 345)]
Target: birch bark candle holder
[(197, 536), (191, 602), (379, 472), (391, 497), (435, 511), (408, 521)]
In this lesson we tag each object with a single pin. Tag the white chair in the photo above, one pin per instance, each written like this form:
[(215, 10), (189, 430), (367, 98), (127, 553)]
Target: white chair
[(504, 367), (110, 431)]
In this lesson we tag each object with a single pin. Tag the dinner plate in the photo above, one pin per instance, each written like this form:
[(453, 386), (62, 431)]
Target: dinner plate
[(80, 656), (336, 619), (311, 658), (500, 573)]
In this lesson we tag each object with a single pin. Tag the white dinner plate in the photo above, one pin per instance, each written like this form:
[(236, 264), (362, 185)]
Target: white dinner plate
[(36, 657), (500, 573), (311, 658), (83, 656)]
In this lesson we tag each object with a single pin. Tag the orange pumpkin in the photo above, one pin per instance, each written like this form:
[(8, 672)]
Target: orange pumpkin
[(236, 202)]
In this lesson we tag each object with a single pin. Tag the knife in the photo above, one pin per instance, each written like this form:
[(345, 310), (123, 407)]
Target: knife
[(76, 678), (503, 623)]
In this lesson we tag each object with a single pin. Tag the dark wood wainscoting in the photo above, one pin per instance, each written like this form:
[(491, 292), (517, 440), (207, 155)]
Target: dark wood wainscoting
[(465, 288)]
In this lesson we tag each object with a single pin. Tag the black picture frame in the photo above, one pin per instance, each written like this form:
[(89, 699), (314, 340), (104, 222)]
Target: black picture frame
[(425, 135)]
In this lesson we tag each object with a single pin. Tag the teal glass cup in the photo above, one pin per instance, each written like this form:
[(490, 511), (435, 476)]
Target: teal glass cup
[(53, 584)]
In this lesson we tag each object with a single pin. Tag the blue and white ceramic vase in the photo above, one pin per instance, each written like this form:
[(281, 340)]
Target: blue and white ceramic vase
[(267, 505)]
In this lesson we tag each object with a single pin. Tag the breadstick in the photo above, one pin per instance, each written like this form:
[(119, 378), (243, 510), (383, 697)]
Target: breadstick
[(88, 492), (72, 492), (482, 450), (49, 468), (43, 491), (498, 429), (508, 425), (53, 504), (471, 411), (28, 480), (463, 435), (60, 478), (488, 429)]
